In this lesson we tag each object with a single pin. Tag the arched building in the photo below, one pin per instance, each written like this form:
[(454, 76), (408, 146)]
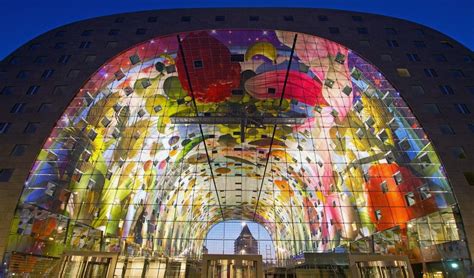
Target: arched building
[(134, 134)]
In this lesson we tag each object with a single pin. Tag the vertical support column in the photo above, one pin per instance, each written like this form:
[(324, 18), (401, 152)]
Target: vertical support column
[(259, 269), (204, 266), (112, 265)]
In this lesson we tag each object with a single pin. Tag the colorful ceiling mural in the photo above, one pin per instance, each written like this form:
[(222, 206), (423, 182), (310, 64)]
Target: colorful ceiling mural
[(293, 131)]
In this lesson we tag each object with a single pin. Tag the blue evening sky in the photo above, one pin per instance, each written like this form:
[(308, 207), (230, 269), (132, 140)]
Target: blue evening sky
[(21, 21)]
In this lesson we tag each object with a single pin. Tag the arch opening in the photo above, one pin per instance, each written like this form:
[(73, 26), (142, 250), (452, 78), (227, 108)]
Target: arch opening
[(232, 237), (292, 131)]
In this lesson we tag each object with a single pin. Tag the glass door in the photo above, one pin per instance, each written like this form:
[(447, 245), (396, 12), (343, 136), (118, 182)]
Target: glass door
[(96, 269), (73, 266), (85, 266)]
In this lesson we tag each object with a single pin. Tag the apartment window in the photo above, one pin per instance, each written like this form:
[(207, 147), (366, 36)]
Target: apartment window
[(417, 90), (185, 19), (19, 150), (362, 30), (403, 72), (322, 18), (111, 44), (34, 46), (220, 18), (31, 128), (447, 44), (446, 90), (439, 58), (357, 18), (6, 91), (14, 61), (89, 59), (378, 214), (430, 73), (45, 107), (114, 32), (392, 43), (60, 34), (32, 90), (119, 20), (47, 73), (390, 31), (85, 44), (413, 57), (288, 18), (469, 177), (254, 18), (64, 59), (334, 30), (456, 73), (410, 198), (152, 19), (431, 108), (134, 59), (458, 152), (23, 74), (462, 108), (40, 60), (384, 187), (446, 129), (59, 45), (4, 127), (73, 73), (419, 44), (470, 90), (237, 57), (398, 177), (141, 31), (86, 33), (420, 32), (5, 174), (17, 108), (425, 192), (59, 90), (198, 64), (386, 57), (468, 59)]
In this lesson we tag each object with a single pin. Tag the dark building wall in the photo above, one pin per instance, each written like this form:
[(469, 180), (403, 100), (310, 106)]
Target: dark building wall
[(24, 68)]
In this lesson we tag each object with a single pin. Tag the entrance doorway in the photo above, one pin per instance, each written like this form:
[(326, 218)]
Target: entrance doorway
[(235, 266), (88, 264)]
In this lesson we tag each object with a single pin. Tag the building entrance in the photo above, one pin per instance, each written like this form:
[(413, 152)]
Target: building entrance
[(91, 265), (155, 267), (235, 266), (346, 265)]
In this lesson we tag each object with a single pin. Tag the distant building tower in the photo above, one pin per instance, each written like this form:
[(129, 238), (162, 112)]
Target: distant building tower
[(204, 250), (245, 243)]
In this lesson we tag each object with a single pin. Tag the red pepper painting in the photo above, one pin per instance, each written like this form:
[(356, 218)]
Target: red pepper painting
[(212, 73), (395, 196)]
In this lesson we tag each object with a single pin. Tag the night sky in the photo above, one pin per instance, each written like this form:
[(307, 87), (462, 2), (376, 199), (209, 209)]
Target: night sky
[(21, 21)]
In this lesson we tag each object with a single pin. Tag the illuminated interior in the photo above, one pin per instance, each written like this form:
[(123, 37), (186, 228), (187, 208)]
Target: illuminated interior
[(289, 130)]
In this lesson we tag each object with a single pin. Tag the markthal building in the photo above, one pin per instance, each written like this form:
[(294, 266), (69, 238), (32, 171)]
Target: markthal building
[(130, 145)]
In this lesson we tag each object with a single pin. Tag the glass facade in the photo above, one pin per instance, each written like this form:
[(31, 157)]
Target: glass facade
[(289, 130)]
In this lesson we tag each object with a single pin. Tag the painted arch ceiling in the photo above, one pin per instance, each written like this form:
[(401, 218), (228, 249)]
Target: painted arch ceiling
[(315, 145)]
